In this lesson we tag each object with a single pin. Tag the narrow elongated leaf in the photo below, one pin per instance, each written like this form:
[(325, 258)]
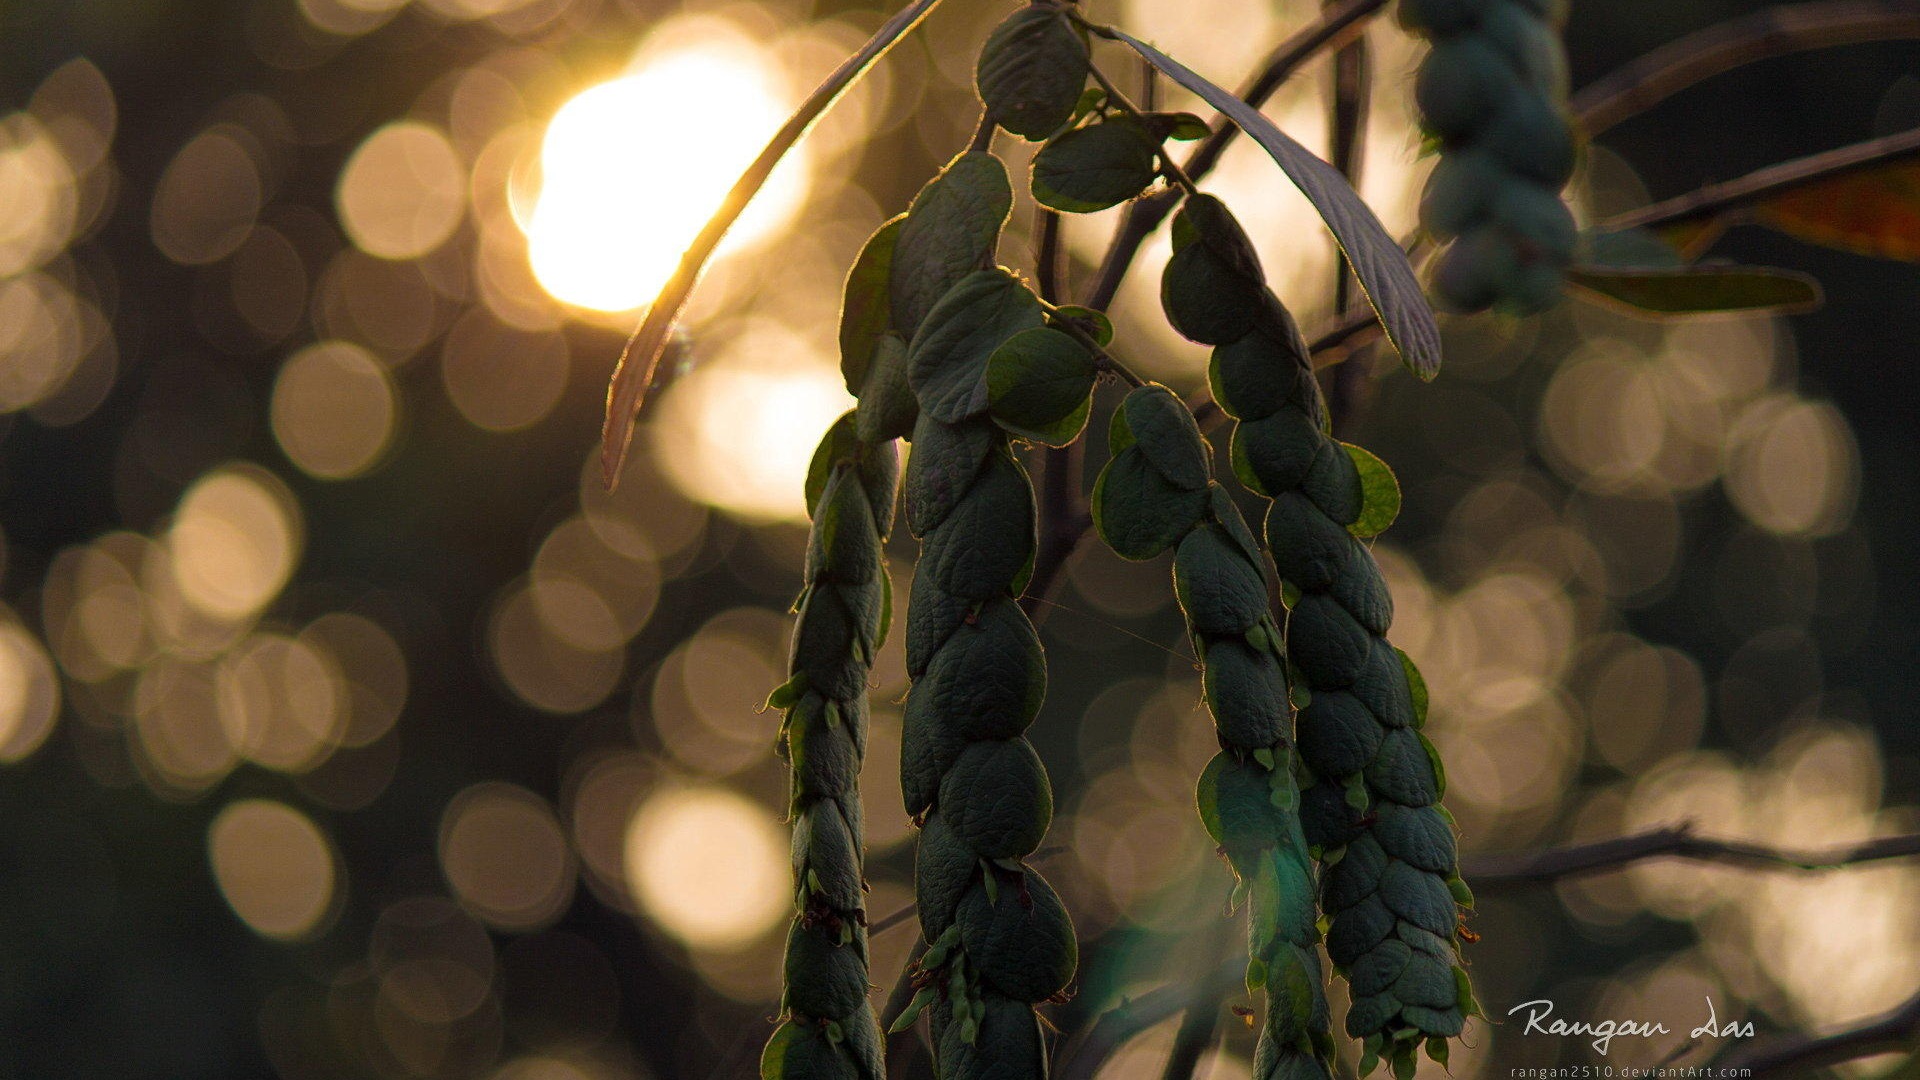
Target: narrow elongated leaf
[(627, 390), (1874, 211), (1377, 260), (1695, 290)]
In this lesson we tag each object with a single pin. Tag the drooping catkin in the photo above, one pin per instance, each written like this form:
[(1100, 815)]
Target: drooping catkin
[(999, 938), (829, 1031), (1493, 92), (1389, 885), (1157, 492)]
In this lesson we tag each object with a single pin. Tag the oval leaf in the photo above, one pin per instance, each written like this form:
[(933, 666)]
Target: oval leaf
[(952, 229), (1094, 167), (1380, 494), (865, 312), (947, 361), (1696, 290), (1040, 386), (1378, 262), (1031, 71)]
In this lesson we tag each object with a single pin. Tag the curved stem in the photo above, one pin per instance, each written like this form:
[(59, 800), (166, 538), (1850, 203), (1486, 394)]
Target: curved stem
[(1677, 842), (634, 373), (1718, 49), (1716, 199), (1896, 1029)]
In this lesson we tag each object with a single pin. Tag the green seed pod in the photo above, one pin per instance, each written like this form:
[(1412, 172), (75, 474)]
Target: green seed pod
[(1005, 1043), (1246, 796), (830, 1032), (1031, 70), (1011, 824), (1019, 938), (978, 672), (800, 1051), (1493, 91), (1371, 779)]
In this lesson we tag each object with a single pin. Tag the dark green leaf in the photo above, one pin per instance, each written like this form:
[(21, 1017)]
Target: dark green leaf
[(864, 314), (951, 231), (1380, 493), (1699, 289), (1038, 382), (1094, 167), (837, 445), (1031, 71), (1377, 260), (947, 361), (1179, 126)]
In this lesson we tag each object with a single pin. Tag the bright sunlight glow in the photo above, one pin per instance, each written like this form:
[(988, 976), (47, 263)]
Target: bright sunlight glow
[(632, 168)]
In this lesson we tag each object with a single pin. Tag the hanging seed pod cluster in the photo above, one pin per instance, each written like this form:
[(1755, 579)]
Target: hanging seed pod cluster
[(1324, 797), (1390, 887), (1157, 492), (829, 1031), (1493, 91), (982, 363)]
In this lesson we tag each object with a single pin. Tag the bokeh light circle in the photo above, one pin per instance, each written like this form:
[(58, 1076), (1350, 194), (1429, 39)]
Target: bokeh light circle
[(275, 867), (334, 409), (708, 866)]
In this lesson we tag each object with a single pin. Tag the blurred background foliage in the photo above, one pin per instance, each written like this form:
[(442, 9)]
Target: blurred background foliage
[(352, 730)]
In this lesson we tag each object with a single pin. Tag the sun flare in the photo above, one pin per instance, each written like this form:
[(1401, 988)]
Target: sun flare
[(631, 169)]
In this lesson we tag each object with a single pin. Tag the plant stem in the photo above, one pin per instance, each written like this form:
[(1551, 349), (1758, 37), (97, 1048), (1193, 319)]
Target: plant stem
[(1352, 87), (634, 374), (1677, 842), (1064, 517), (1716, 199), (1106, 361), (1778, 31)]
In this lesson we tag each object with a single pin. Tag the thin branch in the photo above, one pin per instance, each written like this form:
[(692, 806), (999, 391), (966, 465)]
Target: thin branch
[(1200, 1027), (1335, 26), (634, 373), (1083, 1054), (1716, 199), (1676, 842), (1348, 113), (1779, 31), (1896, 1029)]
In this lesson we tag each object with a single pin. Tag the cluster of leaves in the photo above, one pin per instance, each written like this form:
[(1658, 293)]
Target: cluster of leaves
[(1372, 780), (1157, 492), (985, 361), (1323, 767), (1492, 92)]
